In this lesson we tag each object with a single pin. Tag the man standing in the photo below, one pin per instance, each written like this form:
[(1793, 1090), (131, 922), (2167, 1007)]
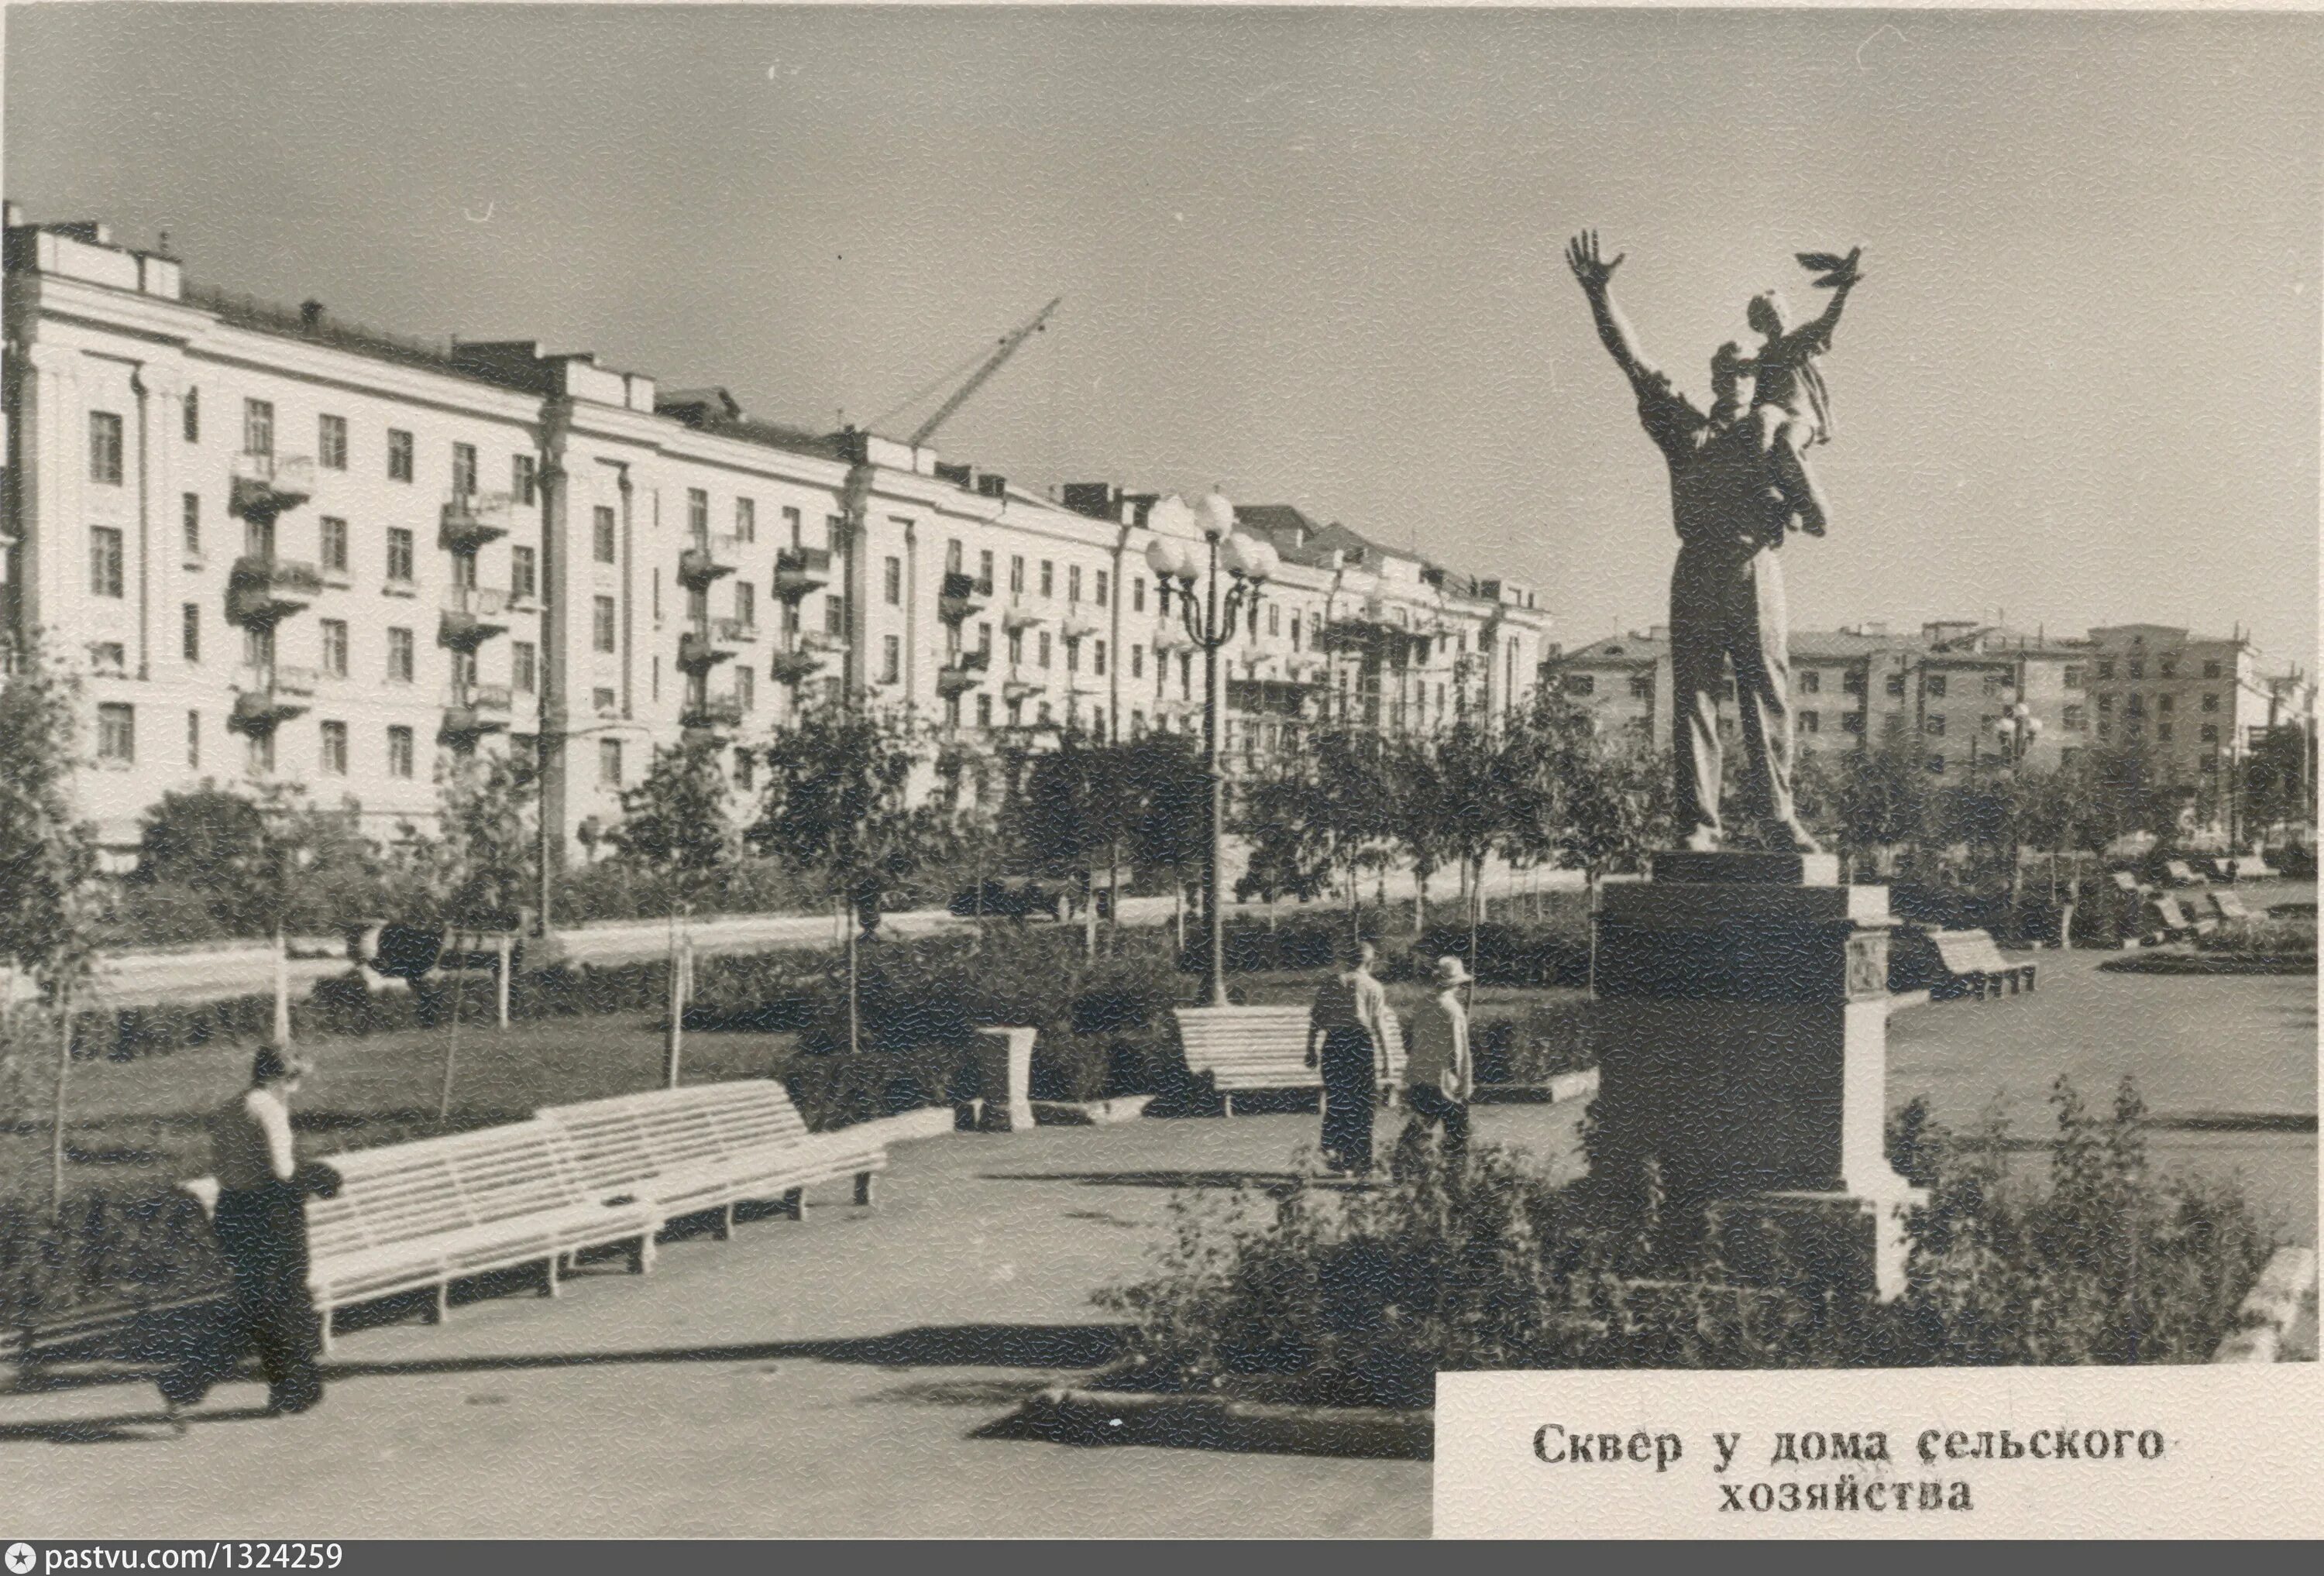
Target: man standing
[(1439, 1077), (1351, 1019), (260, 1223), (1726, 589)]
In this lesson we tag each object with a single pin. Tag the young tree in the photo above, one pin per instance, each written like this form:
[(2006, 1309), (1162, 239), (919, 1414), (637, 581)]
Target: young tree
[(478, 869), (2278, 779), (1881, 800), (261, 863), (1419, 817), (1076, 808), (676, 820), (1171, 830), (48, 857), (839, 807), (1320, 820)]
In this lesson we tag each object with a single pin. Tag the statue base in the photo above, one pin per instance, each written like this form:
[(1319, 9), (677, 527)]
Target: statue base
[(1742, 1021)]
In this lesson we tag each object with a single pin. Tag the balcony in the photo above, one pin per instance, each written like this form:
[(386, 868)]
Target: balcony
[(794, 668), (711, 715), (472, 615), (799, 570), (963, 672), (266, 485), (1170, 635), (962, 596), (476, 709), (1077, 625), (734, 632), (698, 653), (1019, 690), (475, 520), (706, 559), (1020, 616), (823, 642), (269, 697), (262, 591)]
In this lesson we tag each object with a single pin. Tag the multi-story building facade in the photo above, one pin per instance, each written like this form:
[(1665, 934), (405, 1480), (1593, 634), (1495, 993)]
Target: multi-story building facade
[(281, 547), (2201, 703)]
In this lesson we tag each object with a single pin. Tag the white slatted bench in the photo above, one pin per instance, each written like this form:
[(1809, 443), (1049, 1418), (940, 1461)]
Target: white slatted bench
[(2229, 907), (2180, 873), (416, 1216), (1987, 955), (710, 1147), (1262, 1048)]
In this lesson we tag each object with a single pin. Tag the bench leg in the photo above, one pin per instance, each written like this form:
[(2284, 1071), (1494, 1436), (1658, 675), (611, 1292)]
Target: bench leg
[(1228, 1099), (641, 1253), (442, 1304), (327, 1312), (724, 1226), (549, 1287), (795, 1204), (863, 1187)]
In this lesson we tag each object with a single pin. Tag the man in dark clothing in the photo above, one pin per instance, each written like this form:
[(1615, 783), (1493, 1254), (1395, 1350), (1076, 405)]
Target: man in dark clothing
[(260, 1222), (1351, 1019)]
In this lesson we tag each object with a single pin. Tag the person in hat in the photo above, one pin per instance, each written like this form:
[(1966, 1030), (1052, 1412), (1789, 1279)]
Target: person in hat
[(260, 1222), (1438, 1075), (1350, 1019)]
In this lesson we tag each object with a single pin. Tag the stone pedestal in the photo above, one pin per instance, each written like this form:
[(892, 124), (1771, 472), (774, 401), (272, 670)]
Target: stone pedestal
[(1743, 1027), (1004, 1059)]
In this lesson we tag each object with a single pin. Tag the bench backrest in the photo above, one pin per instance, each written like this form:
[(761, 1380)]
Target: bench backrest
[(2167, 910), (1959, 952), (2125, 881), (2180, 872), (628, 1137), (1223, 1037), (398, 1193), (1988, 955), (2229, 905)]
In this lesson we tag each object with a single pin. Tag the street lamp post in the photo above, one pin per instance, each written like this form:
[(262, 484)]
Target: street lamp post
[(1210, 623)]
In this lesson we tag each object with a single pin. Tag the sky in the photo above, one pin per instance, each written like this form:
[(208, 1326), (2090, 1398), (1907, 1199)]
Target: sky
[(1313, 257)]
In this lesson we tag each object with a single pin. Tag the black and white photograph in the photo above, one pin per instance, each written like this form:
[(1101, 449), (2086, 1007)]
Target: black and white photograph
[(805, 772)]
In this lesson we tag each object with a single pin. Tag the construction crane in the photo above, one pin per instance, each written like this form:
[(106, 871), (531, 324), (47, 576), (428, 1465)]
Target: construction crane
[(992, 363)]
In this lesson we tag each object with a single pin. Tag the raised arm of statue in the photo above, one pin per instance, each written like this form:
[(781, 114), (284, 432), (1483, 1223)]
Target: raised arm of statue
[(1840, 275), (1596, 277)]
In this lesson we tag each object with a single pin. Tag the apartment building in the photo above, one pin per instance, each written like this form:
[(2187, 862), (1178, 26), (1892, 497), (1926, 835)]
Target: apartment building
[(280, 547), (2202, 703)]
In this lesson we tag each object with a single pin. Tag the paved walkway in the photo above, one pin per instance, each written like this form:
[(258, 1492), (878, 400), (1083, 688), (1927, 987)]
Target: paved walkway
[(824, 1378)]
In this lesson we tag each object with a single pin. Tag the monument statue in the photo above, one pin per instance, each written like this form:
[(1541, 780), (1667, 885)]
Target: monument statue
[(1739, 482)]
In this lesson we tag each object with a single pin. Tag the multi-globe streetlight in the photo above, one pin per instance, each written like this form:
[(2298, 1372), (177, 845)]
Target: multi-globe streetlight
[(1210, 619)]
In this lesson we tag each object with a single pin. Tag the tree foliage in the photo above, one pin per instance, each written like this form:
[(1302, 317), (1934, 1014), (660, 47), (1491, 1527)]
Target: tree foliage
[(677, 819), (47, 854)]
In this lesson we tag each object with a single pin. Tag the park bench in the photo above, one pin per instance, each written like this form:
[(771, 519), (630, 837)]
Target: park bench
[(2171, 922), (2182, 874), (419, 1216), (1262, 1047), (1967, 964), (2244, 866), (1985, 954), (709, 1146), (2229, 907)]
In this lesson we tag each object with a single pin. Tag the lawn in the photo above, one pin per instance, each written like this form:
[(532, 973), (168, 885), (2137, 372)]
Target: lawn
[(135, 1126)]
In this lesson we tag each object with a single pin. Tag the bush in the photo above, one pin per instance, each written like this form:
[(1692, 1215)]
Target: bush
[(102, 1250), (1327, 1296)]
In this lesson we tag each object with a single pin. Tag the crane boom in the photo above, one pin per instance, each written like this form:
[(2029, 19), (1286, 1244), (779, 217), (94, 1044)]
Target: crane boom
[(992, 363)]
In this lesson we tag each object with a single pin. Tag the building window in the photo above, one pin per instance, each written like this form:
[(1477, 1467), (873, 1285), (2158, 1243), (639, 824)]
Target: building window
[(1016, 575), (746, 688), (105, 448), (2165, 703), (697, 513), (1073, 656), (522, 672), (1850, 721), (398, 751), (2076, 719), (601, 530), (2209, 764), (602, 624), (2211, 734), (1895, 684), (334, 534), (891, 581), (1016, 647), (399, 656), (399, 455), (1933, 724), (746, 519), (2137, 704), (1936, 765), (191, 424), (193, 741), (2138, 667), (334, 647), (1642, 686), (1097, 658), (1138, 603), (331, 442), (834, 616), (1579, 684), (892, 659), (1049, 578), (1073, 583), (2073, 676), (464, 470), (335, 749), (2106, 669), (1811, 682), (1045, 648), (2162, 731), (191, 641), (1138, 661), (105, 578), (1103, 589), (2168, 668), (258, 426), (984, 711), (525, 478), (189, 523), (1811, 722), (1852, 681), (746, 605), (2210, 669), (1933, 685), (609, 762), (116, 734), (398, 555), (262, 754)]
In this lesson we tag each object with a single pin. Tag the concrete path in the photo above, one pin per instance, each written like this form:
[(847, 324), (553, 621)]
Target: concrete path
[(824, 1378)]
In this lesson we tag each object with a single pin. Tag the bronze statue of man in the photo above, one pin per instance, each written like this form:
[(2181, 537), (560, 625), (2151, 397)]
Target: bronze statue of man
[(1731, 500)]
